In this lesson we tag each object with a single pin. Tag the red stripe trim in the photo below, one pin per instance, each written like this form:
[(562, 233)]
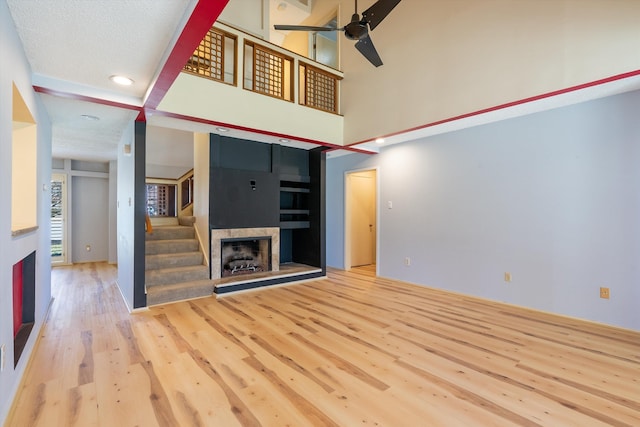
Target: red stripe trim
[(247, 129), (202, 19), (352, 149), (77, 97), (512, 104)]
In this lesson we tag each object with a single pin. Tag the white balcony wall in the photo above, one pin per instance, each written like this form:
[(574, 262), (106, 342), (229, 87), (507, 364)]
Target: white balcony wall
[(236, 107), (250, 15)]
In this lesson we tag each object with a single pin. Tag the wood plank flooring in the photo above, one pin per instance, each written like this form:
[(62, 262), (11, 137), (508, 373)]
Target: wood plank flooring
[(346, 351)]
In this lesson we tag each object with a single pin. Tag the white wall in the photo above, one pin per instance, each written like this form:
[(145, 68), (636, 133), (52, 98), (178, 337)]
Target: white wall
[(15, 69), (250, 15), (197, 97), (125, 215), (169, 152), (90, 225), (553, 198), (444, 58), (201, 147)]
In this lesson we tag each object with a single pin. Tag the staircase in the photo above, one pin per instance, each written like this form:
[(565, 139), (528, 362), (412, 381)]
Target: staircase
[(174, 265)]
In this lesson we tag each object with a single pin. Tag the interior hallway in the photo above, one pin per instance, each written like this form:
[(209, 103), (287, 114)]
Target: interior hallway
[(348, 350)]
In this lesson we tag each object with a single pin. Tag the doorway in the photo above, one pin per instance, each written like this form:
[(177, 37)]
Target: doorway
[(361, 218), (323, 45)]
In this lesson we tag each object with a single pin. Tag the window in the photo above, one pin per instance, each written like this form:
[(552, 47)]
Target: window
[(161, 200), (186, 189)]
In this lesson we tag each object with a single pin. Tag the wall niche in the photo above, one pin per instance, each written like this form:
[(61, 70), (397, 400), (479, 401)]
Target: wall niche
[(23, 168), (24, 299)]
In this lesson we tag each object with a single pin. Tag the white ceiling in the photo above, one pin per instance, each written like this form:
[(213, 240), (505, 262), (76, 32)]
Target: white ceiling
[(73, 47)]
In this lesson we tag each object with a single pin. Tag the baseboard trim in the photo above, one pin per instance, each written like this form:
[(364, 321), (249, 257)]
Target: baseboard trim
[(13, 393)]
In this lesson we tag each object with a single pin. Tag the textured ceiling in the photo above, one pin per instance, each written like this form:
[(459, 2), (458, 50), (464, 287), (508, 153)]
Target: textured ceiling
[(85, 42), (77, 137), (73, 46)]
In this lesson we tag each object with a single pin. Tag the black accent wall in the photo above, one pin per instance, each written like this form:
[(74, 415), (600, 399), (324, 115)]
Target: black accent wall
[(254, 184), (244, 189), (140, 211)]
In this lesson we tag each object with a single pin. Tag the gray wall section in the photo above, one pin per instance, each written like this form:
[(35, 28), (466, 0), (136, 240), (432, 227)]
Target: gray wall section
[(125, 216), (113, 212), (553, 198), (90, 225)]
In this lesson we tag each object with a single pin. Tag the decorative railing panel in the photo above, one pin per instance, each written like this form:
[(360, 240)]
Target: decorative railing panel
[(215, 57), (265, 70), (318, 88), (268, 72)]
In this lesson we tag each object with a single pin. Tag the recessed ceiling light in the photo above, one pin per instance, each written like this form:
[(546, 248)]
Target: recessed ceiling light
[(222, 129), (121, 80), (284, 140), (379, 140), (90, 117)]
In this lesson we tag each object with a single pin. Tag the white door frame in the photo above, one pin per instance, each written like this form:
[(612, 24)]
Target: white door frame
[(64, 178), (311, 38), (347, 215)]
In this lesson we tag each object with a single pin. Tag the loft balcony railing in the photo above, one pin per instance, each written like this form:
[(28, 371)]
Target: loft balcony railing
[(267, 69)]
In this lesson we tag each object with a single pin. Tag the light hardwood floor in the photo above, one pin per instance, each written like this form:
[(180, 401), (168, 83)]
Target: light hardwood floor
[(351, 350)]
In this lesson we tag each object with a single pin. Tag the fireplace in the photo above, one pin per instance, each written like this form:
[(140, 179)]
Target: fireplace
[(245, 256), (244, 251)]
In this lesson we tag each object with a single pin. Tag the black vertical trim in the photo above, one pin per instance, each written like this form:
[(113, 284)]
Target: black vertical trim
[(317, 172), (29, 288), (140, 148), (276, 156), (214, 162)]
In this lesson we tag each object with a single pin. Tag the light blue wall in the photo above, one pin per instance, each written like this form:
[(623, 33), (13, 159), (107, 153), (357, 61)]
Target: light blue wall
[(125, 216), (113, 212), (90, 226), (15, 70), (553, 198)]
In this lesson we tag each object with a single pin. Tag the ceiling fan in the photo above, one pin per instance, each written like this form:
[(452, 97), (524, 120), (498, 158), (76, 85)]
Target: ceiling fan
[(357, 29)]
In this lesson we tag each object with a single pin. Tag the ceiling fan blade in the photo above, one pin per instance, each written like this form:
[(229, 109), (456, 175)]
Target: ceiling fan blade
[(366, 48), (303, 28), (378, 11)]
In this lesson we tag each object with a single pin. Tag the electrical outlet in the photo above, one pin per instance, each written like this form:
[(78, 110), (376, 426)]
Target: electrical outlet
[(407, 261), (507, 276), (2, 357), (604, 293)]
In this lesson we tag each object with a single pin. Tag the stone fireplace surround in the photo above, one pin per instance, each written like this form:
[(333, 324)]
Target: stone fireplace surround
[(217, 235)]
